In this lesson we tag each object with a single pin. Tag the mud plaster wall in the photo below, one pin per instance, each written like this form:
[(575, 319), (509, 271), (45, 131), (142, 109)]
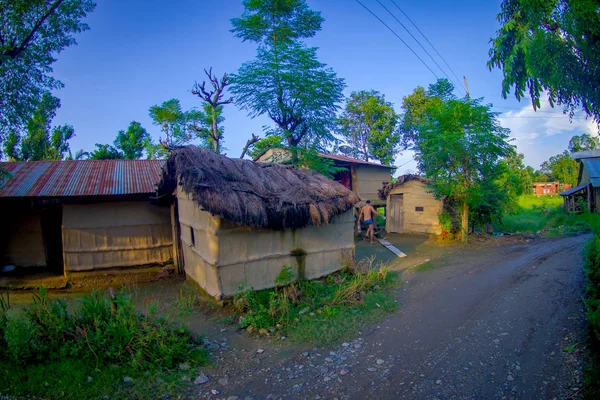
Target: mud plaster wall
[(415, 195), (108, 235), (227, 256), (22, 243), (368, 180)]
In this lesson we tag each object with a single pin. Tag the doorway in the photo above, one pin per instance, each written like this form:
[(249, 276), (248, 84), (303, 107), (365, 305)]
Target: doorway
[(395, 220), (51, 221)]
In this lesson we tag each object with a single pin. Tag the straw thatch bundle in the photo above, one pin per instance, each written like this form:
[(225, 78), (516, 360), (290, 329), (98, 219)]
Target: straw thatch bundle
[(401, 180), (255, 194)]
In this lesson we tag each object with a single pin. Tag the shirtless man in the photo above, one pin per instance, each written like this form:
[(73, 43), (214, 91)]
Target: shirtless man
[(366, 213)]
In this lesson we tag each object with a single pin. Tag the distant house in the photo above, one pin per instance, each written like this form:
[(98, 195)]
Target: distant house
[(588, 183), (362, 177), (411, 207), (549, 188), (65, 217)]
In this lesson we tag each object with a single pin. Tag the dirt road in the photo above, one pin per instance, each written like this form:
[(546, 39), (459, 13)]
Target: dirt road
[(492, 322)]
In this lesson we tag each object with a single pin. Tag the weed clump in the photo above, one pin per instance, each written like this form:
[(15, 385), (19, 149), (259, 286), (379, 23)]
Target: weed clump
[(102, 331), (322, 310)]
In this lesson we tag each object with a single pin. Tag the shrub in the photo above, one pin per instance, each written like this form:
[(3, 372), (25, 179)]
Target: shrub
[(106, 331)]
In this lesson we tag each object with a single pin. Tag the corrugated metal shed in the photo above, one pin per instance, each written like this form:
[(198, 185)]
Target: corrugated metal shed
[(80, 178), (573, 190), (592, 166)]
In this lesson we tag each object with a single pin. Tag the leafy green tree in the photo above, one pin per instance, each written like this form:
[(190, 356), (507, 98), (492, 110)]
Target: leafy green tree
[(213, 108), (584, 142), (458, 145), (264, 144), (368, 125), (518, 177), (32, 33), (133, 141), (179, 127), (562, 168), (106, 152), (550, 46), (41, 141), (286, 81)]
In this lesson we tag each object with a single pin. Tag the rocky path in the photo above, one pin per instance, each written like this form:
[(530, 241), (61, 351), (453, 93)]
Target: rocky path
[(493, 322)]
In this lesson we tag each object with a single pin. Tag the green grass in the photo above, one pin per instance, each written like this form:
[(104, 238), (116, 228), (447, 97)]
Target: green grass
[(545, 213), (322, 311), (426, 266), (49, 350)]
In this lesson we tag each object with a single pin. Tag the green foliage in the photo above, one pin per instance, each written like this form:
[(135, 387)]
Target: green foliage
[(106, 152), (179, 127), (584, 142), (264, 144), (32, 33), (562, 168), (133, 141), (41, 141), (550, 46), (368, 125), (286, 81), (445, 220), (458, 145), (592, 303), (103, 331), (319, 311)]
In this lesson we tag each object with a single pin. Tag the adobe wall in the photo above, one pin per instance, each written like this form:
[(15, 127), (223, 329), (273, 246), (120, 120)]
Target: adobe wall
[(21, 242), (223, 257), (415, 195), (367, 180), (108, 235)]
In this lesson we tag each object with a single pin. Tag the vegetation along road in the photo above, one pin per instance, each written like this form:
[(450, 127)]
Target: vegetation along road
[(501, 319)]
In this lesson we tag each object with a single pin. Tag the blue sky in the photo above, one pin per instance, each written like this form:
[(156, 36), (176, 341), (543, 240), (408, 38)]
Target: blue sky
[(142, 52)]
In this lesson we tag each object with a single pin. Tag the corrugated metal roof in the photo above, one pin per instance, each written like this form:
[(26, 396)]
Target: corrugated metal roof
[(592, 166), (573, 190), (580, 155), (80, 178), (352, 160)]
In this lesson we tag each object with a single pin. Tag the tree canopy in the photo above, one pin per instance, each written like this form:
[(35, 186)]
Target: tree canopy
[(368, 124), (133, 141), (458, 145), (550, 46), (32, 33), (562, 168), (41, 141), (584, 142), (286, 81)]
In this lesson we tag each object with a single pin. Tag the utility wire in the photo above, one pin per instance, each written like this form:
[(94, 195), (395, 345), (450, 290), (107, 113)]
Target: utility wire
[(432, 46), (416, 40), (395, 34)]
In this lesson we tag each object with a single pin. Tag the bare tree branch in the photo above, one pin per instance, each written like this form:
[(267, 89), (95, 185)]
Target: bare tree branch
[(249, 143)]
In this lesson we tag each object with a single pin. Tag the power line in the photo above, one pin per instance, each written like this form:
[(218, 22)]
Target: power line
[(395, 34), (432, 46), (530, 110), (416, 40)]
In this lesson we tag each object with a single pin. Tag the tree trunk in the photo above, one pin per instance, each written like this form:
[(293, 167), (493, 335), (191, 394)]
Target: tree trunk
[(215, 130), (464, 222)]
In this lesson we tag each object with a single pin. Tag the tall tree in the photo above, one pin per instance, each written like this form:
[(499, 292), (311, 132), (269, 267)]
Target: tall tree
[(41, 141), (286, 81), (213, 107), (133, 141), (458, 145), (179, 127), (32, 33), (562, 168), (550, 46), (368, 125), (583, 142)]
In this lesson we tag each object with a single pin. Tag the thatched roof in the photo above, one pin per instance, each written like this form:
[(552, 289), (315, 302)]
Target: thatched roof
[(401, 180), (255, 194)]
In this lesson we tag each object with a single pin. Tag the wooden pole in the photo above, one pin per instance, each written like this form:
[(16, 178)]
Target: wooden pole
[(466, 85)]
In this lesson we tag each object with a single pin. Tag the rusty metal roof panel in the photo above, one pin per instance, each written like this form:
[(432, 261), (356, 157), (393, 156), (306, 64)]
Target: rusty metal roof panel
[(80, 178), (350, 160)]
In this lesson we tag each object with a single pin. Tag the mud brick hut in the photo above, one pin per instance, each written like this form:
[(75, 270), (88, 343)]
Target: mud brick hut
[(411, 208), (63, 217), (240, 222)]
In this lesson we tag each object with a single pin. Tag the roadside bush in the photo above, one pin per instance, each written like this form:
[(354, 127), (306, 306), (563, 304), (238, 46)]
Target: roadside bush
[(293, 306), (105, 331), (592, 303)]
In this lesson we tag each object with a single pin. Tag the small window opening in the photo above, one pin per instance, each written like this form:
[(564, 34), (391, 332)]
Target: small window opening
[(420, 209), (192, 236)]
